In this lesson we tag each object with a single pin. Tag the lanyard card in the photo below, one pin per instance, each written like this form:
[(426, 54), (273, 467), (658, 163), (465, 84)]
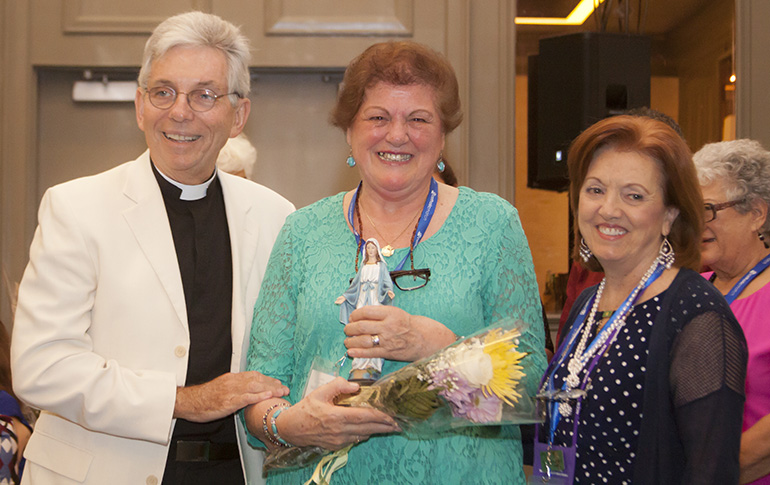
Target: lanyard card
[(554, 465)]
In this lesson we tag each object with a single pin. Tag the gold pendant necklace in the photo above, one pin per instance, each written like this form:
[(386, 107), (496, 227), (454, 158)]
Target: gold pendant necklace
[(388, 249)]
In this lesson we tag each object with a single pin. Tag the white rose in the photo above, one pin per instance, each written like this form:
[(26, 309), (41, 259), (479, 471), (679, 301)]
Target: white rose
[(474, 366)]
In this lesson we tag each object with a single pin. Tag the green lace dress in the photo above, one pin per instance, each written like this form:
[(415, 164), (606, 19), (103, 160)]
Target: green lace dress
[(481, 271)]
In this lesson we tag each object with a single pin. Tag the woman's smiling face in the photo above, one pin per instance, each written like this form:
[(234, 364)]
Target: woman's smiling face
[(621, 211), (396, 137), (729, 238)]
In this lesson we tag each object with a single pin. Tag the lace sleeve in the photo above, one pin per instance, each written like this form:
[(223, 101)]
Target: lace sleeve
[(512, 292), (271, 346), (707, 375)]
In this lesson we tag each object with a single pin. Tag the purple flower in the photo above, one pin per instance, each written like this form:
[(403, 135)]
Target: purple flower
[(442, 378), (484, 409), (459, 393), (465, 399)]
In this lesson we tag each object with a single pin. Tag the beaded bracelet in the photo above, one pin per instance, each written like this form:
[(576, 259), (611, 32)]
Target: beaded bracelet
[(275, 429), (264, 423)]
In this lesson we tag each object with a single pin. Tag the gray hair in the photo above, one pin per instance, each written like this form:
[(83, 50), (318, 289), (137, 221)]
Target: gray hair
[(198, 29), (743, 167)]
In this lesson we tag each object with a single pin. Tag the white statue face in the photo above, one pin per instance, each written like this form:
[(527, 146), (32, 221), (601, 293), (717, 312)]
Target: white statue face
[(371, 252)]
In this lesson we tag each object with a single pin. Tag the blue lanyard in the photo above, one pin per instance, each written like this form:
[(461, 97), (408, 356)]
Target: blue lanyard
[(427, 214), (747, 278), (565, 349)]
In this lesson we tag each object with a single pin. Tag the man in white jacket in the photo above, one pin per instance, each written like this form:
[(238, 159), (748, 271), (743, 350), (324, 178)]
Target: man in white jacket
[(133, 311)]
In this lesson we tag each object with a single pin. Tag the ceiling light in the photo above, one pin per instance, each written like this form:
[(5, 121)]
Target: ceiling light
[(579, 14)]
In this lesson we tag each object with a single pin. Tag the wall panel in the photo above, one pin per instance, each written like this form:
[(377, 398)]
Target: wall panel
[(118, 17), (338, 17)]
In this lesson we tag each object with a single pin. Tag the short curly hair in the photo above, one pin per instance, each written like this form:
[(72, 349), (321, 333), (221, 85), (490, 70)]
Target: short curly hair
[(398, 63), (743, 167)]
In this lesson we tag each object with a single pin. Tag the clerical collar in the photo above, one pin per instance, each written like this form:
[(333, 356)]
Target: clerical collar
[(190, 192)]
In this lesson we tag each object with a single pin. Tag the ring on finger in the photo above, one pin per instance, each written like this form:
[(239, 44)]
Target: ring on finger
[(375, 340)]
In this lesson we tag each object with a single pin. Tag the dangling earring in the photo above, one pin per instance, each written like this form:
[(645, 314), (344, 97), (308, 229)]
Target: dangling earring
[(351, 161), (440, 165), (666, 254), (585, 252), (761, 236)]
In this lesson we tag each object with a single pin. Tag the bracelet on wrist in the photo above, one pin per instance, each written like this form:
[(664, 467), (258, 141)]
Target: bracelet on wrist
[(266, 429), (275, 428)]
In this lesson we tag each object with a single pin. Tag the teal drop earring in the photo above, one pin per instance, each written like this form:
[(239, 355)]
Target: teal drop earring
[(440, 165), (351, 161)]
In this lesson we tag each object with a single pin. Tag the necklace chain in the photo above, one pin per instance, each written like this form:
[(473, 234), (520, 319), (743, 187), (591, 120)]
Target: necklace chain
[(361, 232), (582, 356), (388, 249)]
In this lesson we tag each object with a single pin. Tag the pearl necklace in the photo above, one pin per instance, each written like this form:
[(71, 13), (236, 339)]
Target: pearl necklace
[(582, 356)]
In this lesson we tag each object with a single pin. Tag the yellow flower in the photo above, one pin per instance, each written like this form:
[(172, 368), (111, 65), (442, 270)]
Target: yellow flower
[(501, 346)]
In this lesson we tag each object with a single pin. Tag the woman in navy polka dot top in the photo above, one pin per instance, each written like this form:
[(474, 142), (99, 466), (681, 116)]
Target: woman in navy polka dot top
[(647, 386)]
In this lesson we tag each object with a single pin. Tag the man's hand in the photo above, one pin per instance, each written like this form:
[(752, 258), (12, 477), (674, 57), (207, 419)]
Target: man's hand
[(225, 395)]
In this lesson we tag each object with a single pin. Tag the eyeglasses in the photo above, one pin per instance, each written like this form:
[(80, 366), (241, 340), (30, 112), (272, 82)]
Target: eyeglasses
[(408, 280), (413, 279), (710, 210), (200, 100)]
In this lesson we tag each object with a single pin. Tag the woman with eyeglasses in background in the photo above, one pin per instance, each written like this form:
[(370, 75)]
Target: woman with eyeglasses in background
[(458, 259), (735, 180)]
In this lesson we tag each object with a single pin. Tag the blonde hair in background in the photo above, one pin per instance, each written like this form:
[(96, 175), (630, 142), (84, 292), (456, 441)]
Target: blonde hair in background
[(238, 155)]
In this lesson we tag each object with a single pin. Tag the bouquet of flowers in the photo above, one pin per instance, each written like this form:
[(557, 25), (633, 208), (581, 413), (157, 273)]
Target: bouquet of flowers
[(476, 381)]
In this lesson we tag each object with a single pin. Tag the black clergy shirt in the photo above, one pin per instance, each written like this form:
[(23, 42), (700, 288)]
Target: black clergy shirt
[(202, 243)]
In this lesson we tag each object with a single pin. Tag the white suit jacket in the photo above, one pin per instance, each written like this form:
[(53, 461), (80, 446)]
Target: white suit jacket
[(100, 339)]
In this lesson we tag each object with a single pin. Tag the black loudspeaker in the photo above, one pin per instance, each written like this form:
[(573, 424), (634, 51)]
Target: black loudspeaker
[(575, 81)]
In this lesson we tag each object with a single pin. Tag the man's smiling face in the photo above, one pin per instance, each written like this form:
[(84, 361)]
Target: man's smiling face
[(184, 144)]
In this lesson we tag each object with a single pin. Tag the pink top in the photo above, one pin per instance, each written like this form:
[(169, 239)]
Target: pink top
[(752, 313)]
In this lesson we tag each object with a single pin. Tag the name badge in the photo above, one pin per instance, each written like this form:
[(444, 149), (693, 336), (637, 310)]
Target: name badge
[(554, 465)]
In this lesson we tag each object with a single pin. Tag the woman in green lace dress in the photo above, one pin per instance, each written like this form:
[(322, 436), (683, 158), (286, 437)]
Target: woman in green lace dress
[(472, 267)]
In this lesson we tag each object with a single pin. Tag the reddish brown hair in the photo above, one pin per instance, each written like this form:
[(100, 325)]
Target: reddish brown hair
[(660, 143), (398, 63)]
